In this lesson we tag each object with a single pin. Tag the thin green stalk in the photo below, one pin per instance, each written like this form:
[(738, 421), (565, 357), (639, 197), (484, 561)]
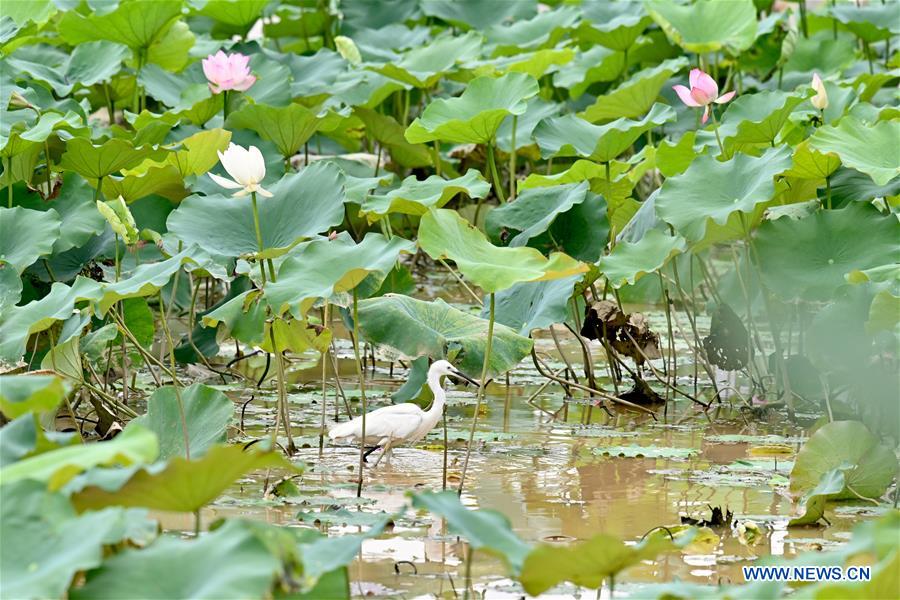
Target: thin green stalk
[(828, 192), (362, 393), (712, 111), (481, 384), (7, 161), (259, 240), (118, 265), (47, 160), (495, 176), (97, 191), (512, 162), (437, 158), (469, 554), (224, 105), (175, 384), (282, 394), (324, 389)]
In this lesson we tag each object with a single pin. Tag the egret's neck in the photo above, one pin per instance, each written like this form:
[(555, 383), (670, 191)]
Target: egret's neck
[(434, 382)]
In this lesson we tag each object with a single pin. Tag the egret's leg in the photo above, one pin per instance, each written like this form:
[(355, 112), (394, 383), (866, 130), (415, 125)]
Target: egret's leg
[(387, 448), (369, 451)]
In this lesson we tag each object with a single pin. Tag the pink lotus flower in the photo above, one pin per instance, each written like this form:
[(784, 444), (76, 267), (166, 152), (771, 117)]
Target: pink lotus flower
[(703, 92), (228, 72)]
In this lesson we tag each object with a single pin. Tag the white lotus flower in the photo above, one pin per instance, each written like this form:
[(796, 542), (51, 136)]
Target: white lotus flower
[(246, 167)]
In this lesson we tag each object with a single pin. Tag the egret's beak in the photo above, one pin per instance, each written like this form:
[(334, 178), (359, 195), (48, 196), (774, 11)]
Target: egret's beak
[(460, 375)]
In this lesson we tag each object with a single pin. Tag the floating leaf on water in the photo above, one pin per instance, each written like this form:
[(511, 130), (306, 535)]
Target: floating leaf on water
[(636, 451)]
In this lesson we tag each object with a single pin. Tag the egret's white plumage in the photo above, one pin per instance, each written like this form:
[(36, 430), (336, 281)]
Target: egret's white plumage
[(391, 425)]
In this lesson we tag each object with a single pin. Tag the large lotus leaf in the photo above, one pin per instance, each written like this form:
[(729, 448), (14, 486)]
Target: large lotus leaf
[(873, 149), (135, 23), (243, 318), (198, 153), (437, 330), (207, 412), (707, 25), (145, 280), (535, 305), (635, 95), (417, 197), (162, 180), (614, 25), (757, 118), (321, 268), (180, 485), (136, 445), (389, 133), (629, 261), (544, 29), (476, 14), (26, 235), (424, 66), (88, 64), (809, 258), (812, 164), (587, 68), (19, 322), (710, 190), (230, 562), (483, 529), (537, 110), (474, 116), (588, 563), (80, 219), (325, 554), (288, 127), (872, 22), (45, 543), (572, 136), (848, 446), (20, 394), (444, 234), (10, 287), (20, 13), (534, 210), (304, 204), (239, 14), (93, 162), (536, 64)]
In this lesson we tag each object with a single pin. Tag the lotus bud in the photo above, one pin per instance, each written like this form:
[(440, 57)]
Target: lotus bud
[(820, 100), (347, 49)]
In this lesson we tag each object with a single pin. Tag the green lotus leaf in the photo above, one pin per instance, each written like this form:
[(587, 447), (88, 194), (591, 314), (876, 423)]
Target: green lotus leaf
[(483, 529), (534, 210), (707, 25), (93, 162), (230, 562), (305, 203), (146, 280), (872, 22), (474, 116), (636, 95), (78, 214), (535, 305), (415, 197), (673, 158), (180, 91), (476, 14), (326, 554), (179, 485), (873, 149), (170, 50), (294, 335), (615, 26), (21, 394), (18, 135), (544, 29), (46, 543), (88, 63), (595, 65), (629, 261), (19, 322), (435, 329), (26, 235), (757, 118), (321, 268), (237, 14), (537, 110), (812, 164), (444, 234), (207, 412), (288, 127), (809, 258), (589, 563), (135, 23), (21, 13), (848, 446), (536, 64), (163, 181), (243, 318), (424, 66), (572, 136), (119, 218), (711, 191), (10, 287), (135, 445), (821, 54), (198, 153), (389, 133)]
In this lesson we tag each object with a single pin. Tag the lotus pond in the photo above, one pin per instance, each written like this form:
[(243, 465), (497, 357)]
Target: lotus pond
[(659, 239)]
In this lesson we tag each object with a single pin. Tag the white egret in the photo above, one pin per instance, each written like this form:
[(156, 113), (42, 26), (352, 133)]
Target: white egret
[(391, 425)]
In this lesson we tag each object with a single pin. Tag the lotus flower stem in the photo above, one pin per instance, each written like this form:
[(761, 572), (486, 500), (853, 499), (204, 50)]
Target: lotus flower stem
[(176, 385), (362, 393), (259, 241), (324, 389), (828, 192), (481, 384), (9, 186), (282, 408), (715, 120), (512, 162)]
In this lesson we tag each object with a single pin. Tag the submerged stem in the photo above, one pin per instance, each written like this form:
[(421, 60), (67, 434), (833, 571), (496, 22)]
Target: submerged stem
[(362, 393)]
